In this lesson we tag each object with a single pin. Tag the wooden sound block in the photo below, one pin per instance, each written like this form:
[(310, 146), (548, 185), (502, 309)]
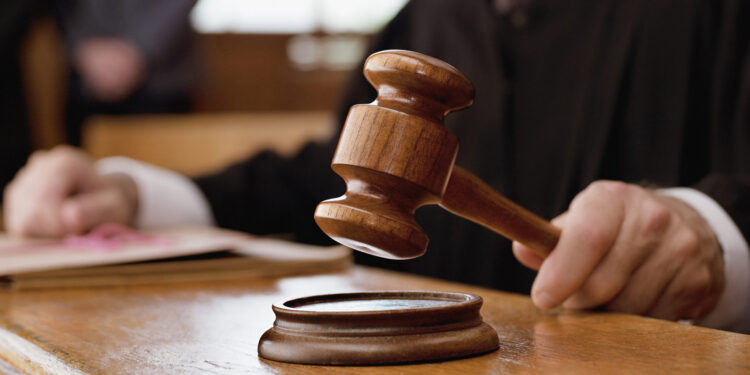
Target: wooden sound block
[(377, 328)]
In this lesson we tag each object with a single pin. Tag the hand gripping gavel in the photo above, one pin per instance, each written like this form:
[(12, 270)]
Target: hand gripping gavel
[(396, 156)]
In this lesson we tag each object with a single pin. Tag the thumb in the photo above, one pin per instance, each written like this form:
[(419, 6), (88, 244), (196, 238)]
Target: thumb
[(82, 212)]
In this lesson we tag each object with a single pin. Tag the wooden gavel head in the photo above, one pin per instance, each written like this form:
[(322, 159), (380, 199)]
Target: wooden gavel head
[(395, 154)]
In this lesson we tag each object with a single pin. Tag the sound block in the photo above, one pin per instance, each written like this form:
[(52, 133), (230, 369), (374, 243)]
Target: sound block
[(377, 328)]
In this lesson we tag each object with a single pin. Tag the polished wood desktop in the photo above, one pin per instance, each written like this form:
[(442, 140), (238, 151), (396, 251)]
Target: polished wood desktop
[(214, 327)]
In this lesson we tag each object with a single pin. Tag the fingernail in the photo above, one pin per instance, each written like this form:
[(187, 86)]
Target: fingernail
[(543, 300)]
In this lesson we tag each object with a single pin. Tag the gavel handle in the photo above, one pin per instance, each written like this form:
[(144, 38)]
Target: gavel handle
[(469, 197)]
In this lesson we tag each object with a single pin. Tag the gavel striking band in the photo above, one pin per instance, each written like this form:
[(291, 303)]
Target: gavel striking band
[(396, 156)]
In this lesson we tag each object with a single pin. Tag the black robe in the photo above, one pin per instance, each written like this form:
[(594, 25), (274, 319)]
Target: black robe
[(654, 92)]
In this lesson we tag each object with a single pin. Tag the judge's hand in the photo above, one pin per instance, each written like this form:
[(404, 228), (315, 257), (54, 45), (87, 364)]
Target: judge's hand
[(630, 250), (58, 192)]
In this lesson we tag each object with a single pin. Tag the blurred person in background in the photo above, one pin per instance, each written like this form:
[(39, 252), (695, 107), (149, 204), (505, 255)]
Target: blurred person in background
[(127, 56), (577, 103)]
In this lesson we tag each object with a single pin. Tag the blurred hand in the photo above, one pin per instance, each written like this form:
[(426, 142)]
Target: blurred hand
[(630, 250), (111, 68), (58, 193)]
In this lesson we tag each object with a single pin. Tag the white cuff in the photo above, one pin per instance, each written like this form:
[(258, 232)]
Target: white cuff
[(733, 309), (165, 198)]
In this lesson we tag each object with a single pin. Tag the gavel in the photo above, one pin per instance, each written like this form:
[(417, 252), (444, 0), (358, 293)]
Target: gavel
[(396, 156)]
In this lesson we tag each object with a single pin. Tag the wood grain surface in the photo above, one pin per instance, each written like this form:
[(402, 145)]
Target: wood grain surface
[(214, 327)]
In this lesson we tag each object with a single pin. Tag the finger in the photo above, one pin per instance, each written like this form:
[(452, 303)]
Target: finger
[(31, 207), (591, 227), (33, 219), (85, 211), (559, 221), (646, 221), (697, 286), (646, 284), (41, 223), (678, 248), (526, 256), (35, 157), (609, 278), (34, 198), (692, 293), (676, 301)]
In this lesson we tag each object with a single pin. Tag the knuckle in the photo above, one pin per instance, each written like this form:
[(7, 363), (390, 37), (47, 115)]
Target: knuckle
[(700, 283), (63, 149), (64, 159), (702, 280), (37, 156), (599, 239), (612, 188), (655, 217), (686, 244), (64, 152), (602, 192)]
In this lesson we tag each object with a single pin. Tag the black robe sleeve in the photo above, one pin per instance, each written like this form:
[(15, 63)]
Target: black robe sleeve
[(727, 51)]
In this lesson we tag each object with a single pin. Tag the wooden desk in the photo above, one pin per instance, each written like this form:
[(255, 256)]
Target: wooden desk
[(214, 328)]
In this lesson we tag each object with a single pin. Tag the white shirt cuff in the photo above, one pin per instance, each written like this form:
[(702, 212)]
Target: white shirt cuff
[(732, 312), (165, 198)]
